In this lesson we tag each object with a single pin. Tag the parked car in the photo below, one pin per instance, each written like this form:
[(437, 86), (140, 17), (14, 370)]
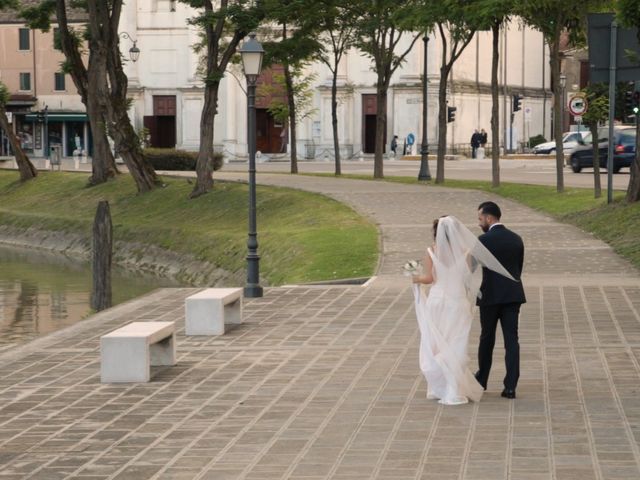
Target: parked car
[(624, 149), (570, 140)]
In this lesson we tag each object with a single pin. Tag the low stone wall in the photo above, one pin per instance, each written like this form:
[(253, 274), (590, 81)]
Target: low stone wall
[(184, 268)]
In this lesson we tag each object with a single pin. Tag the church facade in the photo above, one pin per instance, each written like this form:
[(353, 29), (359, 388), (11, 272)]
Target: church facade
[(168, 94)]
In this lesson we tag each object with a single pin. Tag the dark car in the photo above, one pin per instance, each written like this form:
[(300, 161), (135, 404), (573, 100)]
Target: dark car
[(624, 149)]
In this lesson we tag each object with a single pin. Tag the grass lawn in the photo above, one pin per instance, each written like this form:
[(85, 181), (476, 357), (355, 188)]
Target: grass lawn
[(302, 236), (617, 224)]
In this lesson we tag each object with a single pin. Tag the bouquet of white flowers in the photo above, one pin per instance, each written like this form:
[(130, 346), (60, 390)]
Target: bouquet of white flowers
[(412, 267)]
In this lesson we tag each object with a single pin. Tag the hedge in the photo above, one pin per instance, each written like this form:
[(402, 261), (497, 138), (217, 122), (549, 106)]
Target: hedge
[(172, 159)]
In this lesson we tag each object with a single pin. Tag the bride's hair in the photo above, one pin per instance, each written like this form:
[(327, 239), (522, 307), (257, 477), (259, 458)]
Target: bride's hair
[(435, 226)]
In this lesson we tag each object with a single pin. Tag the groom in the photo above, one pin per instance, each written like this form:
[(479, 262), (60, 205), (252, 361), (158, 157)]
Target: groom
[(501, 297)]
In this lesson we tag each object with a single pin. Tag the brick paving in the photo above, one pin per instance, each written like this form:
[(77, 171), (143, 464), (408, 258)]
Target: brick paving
[(322, 381)]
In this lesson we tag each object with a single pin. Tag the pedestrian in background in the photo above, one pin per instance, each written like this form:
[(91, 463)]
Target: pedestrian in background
[(475, 143)]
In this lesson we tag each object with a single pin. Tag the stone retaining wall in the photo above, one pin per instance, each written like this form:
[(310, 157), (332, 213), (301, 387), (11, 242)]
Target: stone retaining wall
[(184, 268)]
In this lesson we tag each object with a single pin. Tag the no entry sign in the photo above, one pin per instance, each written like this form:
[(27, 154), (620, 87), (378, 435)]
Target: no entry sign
[(578, 104)]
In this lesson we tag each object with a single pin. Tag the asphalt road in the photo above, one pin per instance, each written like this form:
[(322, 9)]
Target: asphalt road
[(531, 171)]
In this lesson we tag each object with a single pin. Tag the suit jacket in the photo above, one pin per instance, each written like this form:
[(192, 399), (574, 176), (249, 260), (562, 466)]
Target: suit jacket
[(508, 249)]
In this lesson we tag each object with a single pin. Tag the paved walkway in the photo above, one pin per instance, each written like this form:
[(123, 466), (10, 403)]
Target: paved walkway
[(322, 382)]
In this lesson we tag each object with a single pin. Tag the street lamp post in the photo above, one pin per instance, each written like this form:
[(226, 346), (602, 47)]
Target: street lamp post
[(424, 149), (252, 54), (563, 87), (134, 52)]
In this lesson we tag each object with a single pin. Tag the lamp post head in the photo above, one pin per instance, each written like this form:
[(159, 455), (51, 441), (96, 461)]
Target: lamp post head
[(134, 52), (252, 54)]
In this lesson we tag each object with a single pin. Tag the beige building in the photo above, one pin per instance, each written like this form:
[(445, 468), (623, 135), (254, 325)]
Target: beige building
[(44, 107)]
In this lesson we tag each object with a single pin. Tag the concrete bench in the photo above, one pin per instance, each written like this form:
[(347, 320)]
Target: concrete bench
[(126, 354), (207, 311)]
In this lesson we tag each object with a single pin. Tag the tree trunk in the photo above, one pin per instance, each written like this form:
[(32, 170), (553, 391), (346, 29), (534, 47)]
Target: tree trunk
[(334, 119), (597, 188), (128, 146), (381, 128), (204, 164), (633, 190), (102, 254), (495, 115), (557, 108), (442, 123), (291, 103), (103, 165), (112, 91), (25, 167)]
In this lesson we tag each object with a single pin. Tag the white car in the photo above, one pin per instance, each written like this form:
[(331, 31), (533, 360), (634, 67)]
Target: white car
[(570, 140)]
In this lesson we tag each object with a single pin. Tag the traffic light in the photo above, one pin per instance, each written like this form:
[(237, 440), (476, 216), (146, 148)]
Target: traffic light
[(516, 102), (636, 102), (629, 101), (451, 114)]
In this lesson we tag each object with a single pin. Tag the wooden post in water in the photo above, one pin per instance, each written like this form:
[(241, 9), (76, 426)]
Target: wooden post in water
[(102, 253)]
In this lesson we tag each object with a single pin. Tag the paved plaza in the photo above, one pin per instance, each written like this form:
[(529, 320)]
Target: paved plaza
[(323, 382)]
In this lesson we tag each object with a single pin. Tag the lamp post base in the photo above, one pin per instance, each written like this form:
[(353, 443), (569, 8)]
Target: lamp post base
[(253, 291), (424, 175)]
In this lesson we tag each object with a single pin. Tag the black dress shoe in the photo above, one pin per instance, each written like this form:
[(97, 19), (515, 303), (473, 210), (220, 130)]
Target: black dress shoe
[(506, 393), (477, 375)]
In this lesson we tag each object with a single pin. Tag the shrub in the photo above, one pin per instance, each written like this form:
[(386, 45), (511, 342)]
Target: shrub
[(537, 140), (171, 159)]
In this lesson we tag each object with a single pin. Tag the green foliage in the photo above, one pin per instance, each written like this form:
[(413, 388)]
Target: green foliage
[(178, 160), (234, 20), (302, 94), (4, 95), (336, 22), (536, 140), (629, 14), (598, 98), (303, 236), (6, 4), (379, 30), (487, 12), (569, 15), (293, 39), (39, 15)]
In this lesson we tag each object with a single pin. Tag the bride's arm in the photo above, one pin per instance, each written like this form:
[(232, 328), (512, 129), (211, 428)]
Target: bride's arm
[(427, 277)]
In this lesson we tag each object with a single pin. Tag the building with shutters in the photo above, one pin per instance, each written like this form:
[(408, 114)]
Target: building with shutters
[(44, 106)]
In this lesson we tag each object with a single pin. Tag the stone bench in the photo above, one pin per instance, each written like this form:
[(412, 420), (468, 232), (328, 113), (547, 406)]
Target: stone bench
[(207, 311), (126, 354)]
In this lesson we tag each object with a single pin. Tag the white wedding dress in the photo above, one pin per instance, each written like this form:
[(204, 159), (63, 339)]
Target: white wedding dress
[(445, 315)]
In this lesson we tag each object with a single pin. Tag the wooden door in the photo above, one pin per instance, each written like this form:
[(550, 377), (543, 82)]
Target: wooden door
[(164, 127), (369, 123), (269, 134), (164, 105)]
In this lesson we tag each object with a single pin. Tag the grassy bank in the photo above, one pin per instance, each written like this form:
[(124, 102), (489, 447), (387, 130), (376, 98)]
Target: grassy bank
[(617, 224), (303, 236)]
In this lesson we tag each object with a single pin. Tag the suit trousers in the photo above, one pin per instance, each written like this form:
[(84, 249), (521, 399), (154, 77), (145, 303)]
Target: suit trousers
[(507, 315)]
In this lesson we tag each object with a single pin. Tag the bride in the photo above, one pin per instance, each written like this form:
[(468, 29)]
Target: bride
[(445, 315)]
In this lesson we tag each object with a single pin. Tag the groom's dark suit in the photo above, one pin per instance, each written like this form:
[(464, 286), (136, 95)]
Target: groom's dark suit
[(500, 301)]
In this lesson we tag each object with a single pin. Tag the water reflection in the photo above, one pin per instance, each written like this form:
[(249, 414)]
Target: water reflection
[(42, 292)]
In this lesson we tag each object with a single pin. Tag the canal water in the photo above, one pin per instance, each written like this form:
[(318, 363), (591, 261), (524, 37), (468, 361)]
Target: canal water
[(41, 292)]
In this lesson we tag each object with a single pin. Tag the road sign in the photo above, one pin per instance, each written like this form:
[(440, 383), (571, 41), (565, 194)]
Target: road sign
[(9, 116), (578, 104)]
